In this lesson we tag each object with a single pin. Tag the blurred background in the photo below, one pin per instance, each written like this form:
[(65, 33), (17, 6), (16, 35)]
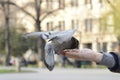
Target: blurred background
[(96, 21)]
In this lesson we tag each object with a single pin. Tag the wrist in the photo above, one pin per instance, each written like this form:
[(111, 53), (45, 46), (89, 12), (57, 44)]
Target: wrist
[(98, 57)]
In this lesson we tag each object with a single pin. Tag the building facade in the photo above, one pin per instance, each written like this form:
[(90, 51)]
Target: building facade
[(86, 16)]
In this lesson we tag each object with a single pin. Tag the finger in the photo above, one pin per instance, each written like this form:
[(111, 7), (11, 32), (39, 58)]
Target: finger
[(73, 55), (67, 50), (63, 52), (71, 50)]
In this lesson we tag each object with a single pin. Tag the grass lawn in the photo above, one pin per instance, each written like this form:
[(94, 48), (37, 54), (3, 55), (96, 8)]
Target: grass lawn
[(14, 71)]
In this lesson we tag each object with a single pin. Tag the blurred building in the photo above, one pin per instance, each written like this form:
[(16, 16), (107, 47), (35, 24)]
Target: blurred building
[(84, 15), (87, 17)]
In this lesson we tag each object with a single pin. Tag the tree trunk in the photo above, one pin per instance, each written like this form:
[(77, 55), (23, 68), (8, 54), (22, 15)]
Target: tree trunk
[(41, 43), (7, 41), (6, 9)]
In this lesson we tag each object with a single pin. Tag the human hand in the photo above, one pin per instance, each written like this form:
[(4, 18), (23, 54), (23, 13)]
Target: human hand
[(84, 54)]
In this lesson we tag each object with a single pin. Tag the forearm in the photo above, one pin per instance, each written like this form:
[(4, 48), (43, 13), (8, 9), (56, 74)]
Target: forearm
[(103, 59), (110, 60)]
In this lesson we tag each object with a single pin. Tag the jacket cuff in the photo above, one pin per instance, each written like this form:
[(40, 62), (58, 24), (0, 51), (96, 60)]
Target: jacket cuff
[(116, 66)]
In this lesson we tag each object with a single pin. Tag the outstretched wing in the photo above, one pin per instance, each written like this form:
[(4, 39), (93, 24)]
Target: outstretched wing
[(44, 35), (49, 58), (63, 36), (53, 35), (33, 34)]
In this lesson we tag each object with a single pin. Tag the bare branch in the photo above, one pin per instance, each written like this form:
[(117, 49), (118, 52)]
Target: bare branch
[(11, 3), (49, 13), (109, 1)]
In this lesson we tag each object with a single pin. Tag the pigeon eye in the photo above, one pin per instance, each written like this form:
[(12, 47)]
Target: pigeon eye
[(49, 33)]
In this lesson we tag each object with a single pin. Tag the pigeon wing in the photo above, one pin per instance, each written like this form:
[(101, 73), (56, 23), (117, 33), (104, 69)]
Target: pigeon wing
[(33, 34), (49, 58), (62, 36), (44, 35)]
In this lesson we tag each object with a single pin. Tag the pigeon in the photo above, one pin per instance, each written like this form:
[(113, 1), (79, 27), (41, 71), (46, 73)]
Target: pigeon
[(57, 41)]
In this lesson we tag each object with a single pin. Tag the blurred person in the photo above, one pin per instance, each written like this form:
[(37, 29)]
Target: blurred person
[(65, 60), (12, 60), (110, 59), (23, 61)]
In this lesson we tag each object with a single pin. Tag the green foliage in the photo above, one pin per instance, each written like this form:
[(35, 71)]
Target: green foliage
[(115, 11), (7, 71), (18, 44), (14, 71)]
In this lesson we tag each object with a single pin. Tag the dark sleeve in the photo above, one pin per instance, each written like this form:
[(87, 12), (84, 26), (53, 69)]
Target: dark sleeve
[(116, 67)]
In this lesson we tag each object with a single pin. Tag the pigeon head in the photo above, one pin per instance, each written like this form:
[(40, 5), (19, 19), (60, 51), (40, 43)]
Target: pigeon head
[(73, 43)]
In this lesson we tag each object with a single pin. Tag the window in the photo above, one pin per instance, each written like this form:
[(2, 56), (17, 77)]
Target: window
[(87, 45), (88, 25), (101, 2), (74, 3), (61, 4), (75, 24), (102, 23), (104, 47), (49, 4), (61, 25), (88, 3), (49, 26), (98, 47)]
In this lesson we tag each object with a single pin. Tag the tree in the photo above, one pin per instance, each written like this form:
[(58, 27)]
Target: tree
[(41, 14), (114, 13), (6, 11), (18, 44), (115, 10)]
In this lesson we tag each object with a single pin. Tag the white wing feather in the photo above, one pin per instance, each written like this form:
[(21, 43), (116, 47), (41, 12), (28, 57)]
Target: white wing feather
[(33, 34), (63, 36), (59, 36)]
